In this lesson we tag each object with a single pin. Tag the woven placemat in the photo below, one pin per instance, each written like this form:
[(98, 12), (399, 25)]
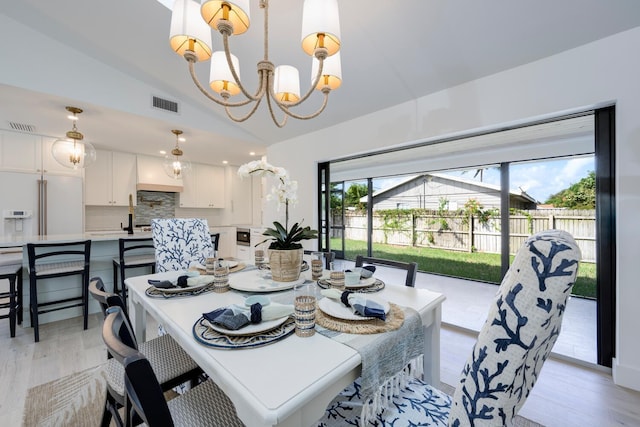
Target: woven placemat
[(395, 319), (377, 286)]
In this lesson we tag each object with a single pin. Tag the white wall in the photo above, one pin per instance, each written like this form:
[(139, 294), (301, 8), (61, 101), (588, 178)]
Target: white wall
[(603, 71)]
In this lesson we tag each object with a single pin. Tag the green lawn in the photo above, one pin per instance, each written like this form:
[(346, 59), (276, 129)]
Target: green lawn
[(475, 266)]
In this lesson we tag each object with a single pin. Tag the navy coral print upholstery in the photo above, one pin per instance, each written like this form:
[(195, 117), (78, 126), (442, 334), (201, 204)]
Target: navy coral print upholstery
[(521, 328), (179, 242)]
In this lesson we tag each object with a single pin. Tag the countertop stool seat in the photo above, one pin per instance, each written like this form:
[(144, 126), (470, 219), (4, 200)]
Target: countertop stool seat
[(53, 260), (132, 253), (11, 299)]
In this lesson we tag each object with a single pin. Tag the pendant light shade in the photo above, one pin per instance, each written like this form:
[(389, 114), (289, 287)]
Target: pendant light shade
[(188, 31), (320, 26), (286, 84), (73, 152), (234, 11), (331, 72), (221, 78)]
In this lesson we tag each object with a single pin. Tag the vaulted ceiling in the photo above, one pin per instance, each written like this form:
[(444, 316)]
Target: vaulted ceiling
[(392, 52)]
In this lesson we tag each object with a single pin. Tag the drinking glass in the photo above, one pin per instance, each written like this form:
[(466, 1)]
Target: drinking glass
[(317, 265), (259, 257), (221, 277), (336, 276), (304, 309)]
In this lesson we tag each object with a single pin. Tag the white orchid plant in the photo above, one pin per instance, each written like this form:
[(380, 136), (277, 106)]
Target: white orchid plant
[(285, 192)]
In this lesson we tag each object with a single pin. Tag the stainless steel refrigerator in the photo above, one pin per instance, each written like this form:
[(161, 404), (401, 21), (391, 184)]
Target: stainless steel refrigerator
[(54, 204)]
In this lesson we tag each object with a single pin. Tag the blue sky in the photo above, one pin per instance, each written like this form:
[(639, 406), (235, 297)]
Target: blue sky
[(539, 179)]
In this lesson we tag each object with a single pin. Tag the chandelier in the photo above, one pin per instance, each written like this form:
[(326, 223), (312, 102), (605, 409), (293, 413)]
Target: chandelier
[(190, 37), (73, 152), (173, 165)]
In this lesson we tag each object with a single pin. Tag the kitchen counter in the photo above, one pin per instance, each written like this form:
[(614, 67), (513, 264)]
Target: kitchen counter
[(21, 240)]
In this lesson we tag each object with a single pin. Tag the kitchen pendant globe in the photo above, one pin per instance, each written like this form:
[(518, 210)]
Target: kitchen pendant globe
[(73, 152), (174, 164)]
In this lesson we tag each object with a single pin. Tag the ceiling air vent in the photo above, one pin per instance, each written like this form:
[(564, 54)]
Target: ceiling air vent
[(165, 104), (22, 127)]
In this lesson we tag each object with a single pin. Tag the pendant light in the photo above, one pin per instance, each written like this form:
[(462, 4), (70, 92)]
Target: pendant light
[(73, 152), (175, 165)]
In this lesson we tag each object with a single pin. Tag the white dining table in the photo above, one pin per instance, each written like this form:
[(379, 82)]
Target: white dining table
[(286, 383)]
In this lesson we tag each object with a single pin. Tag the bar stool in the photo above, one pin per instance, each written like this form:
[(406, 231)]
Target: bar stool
[(50, 260), (11, 270), (133, 253), (215, 241)]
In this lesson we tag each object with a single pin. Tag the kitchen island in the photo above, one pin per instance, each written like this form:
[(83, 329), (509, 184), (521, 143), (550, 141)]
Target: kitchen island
[(104, 248)]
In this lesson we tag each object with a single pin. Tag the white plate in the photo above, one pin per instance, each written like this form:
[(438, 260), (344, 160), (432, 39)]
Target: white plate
[(250, 329), (231, 264), (262, 285), (337, 309), (363, 283)]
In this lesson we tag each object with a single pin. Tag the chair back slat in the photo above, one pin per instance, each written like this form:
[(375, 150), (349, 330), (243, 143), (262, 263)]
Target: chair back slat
[(410, 267)]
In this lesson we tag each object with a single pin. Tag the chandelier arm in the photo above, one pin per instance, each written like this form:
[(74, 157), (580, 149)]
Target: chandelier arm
[(273, 115), (234, 73), (192, 71), (242, 119), (253, 109), (310, 116)]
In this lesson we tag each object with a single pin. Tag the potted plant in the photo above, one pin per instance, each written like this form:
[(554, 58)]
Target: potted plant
[(285, 249)]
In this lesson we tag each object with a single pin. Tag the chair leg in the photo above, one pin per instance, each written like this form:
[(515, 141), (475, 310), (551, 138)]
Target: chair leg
[(33, 308), (20, 305), (106, 414), (115, 277), (123, 291), (85, 299), (12, 305)]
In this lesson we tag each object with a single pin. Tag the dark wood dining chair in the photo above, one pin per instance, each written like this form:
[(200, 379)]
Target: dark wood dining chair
[(171, 364), (51, 260), (204, 405), (410, 267), (328, 257), (215, 241), (11, 270), (132, 253)]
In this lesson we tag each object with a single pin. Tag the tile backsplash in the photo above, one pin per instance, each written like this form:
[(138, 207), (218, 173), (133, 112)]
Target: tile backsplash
[(154, 204)]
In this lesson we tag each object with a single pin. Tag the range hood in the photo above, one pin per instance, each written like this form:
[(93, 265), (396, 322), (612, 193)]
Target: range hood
[(151, 176)]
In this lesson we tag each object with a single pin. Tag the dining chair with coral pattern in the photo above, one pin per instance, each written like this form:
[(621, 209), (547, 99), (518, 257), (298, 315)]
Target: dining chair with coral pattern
[(522, 326)]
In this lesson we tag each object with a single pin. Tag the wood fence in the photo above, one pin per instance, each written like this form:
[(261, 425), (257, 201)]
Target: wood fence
[(452, 231)]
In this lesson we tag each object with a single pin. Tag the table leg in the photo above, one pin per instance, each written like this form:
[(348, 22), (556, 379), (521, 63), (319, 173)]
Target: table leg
[(137, 317), (432, 349)]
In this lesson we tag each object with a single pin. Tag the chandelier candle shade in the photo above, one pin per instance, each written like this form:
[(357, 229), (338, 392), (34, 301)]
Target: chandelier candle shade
[(72, 152), (190, 37)]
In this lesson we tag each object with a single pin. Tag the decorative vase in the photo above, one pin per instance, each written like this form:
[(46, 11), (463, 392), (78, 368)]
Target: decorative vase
[(285, 264)]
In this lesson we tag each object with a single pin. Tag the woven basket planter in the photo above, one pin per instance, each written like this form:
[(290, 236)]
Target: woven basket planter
[(285, 264)]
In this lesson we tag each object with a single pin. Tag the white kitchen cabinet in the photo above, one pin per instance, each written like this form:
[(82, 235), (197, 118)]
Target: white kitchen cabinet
[(240, 197), (243, 253), (204, 187), (24, 152), (110, 180)]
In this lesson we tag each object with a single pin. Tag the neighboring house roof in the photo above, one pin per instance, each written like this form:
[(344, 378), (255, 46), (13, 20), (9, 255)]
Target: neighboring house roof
[(453, 179)]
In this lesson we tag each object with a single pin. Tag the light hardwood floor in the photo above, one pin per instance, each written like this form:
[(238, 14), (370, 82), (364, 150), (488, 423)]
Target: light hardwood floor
[(566, 395)]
